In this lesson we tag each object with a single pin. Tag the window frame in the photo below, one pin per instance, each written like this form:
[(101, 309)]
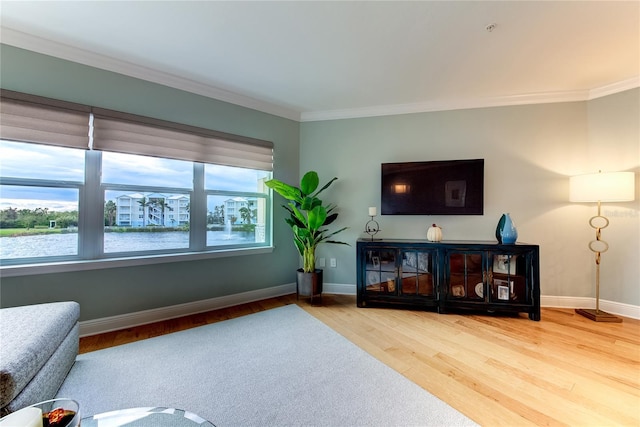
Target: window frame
[(91, 253), (91, 200)]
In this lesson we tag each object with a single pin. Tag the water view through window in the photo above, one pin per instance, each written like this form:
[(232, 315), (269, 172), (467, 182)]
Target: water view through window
[(38, 222), (39, 206), (147, 204)]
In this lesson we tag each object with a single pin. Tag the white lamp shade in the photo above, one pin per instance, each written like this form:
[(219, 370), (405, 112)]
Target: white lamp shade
[(602, 187)]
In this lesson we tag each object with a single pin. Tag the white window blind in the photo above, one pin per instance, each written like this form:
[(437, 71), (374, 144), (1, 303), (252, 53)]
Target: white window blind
[(31, 118), (27, 118), (127, 133)]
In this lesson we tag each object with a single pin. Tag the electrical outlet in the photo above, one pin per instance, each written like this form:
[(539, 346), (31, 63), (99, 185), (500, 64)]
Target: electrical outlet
[(333, 262), (321, 262)]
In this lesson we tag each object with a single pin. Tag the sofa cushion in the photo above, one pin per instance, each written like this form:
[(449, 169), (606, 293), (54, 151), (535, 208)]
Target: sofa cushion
[(29, 336), (46, 383)]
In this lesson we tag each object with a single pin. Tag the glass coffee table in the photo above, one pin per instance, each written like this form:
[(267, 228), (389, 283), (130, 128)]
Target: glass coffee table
[(146, 417)]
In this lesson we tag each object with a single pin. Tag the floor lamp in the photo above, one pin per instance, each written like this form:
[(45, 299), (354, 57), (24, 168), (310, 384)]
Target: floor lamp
[(601, 187)]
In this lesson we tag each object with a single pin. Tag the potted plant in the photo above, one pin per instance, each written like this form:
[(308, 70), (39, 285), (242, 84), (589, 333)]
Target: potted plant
[(308, 220)]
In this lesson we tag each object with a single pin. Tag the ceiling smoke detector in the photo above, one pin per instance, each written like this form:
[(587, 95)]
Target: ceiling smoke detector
[(490, 27)]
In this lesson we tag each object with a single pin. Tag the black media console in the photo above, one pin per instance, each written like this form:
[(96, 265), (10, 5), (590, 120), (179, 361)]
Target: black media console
[(449, 276)]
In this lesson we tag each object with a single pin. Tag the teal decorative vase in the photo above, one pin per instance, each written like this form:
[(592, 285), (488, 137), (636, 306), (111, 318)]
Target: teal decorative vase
[(499, 228), (509, 232)]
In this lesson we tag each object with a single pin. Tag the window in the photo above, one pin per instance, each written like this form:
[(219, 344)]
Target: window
[(39, 201), (140, 194), (130, 186), (38, 221), (236, 205)]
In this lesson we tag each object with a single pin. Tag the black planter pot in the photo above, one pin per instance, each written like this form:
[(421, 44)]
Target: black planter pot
[(309, 285)]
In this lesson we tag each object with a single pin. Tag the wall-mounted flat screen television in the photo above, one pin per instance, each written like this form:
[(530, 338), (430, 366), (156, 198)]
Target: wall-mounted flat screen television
[(444, 187)]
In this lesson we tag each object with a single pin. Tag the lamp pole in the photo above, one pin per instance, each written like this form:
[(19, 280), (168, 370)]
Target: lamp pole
[(599, 187)]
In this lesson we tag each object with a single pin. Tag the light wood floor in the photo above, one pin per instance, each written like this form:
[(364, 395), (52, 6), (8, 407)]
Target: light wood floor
[(507, 371)]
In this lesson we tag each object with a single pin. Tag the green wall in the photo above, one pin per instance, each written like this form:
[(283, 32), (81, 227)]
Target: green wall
[(530, 151), (614, 144), (114, 291)]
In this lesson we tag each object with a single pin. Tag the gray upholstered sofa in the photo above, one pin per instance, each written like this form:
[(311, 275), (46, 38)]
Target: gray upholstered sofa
[(38, 346)]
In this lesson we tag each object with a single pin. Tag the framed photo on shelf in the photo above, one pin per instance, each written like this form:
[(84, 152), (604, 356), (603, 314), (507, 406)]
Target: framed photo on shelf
[(503, 293), (376, 261), (457, 290), (505, 264), (503, 289)]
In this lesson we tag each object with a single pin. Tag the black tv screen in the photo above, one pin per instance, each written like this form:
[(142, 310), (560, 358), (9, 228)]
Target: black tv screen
[(445, 187)]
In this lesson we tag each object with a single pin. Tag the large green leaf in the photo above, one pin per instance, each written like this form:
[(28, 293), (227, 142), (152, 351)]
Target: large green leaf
[(316, 217), (287, 191), (309, 183), (298, 215), (309, 203), (302, 234), (299, 245)]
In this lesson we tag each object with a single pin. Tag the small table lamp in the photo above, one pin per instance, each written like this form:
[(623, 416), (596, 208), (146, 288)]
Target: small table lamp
[(601, 187)]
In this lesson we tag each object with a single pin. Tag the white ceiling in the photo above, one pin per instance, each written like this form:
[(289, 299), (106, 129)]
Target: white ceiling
[(313, 60)]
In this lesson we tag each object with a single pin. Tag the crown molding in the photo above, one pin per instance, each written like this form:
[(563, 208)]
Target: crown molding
[(47, 47), (444, 105), (616, 87), (58, 50), (463, 104)]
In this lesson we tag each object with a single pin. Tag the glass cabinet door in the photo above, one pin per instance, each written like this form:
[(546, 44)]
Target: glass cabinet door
[(417, 273), (508, 278), (449, 276), (380, 273), (465, 276)]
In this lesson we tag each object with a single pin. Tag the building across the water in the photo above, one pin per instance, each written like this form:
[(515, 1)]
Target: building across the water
[(155, 209)]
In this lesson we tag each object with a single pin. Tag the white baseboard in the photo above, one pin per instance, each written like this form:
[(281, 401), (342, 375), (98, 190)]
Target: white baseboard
[(114, 323), (621, 309), (339, 289), (128, 320)]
